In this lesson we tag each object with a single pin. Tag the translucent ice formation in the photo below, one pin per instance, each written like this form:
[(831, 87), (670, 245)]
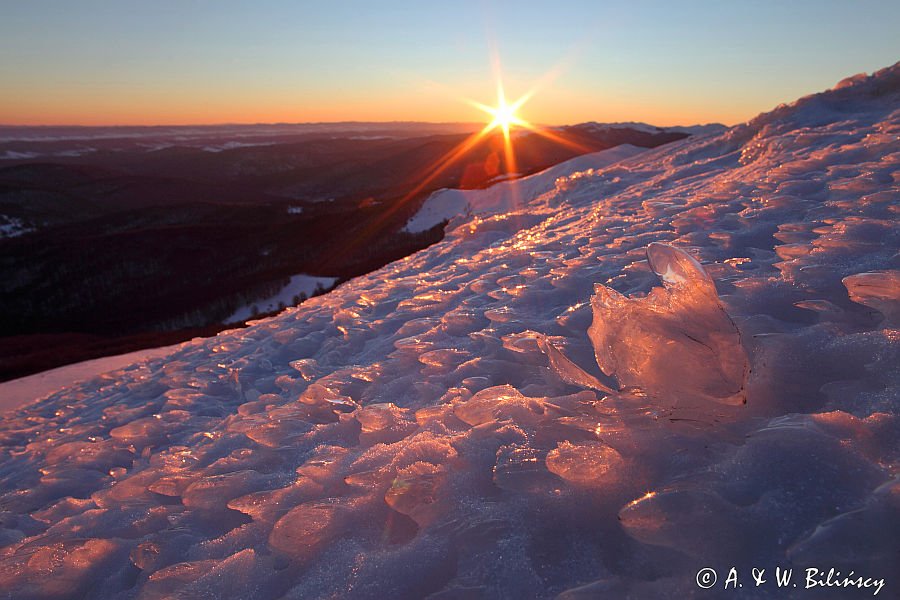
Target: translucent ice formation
[(677, 344), (879, 290)]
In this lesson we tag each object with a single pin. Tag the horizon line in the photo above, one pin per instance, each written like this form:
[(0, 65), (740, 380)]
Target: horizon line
[(345, 122), (245, 124)]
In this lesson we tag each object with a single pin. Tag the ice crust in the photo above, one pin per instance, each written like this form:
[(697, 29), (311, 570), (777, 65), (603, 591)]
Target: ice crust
[(478, 421)]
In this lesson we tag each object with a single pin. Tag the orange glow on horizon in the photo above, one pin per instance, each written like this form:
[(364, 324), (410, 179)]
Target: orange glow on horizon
[(557, 108), (414, 101)]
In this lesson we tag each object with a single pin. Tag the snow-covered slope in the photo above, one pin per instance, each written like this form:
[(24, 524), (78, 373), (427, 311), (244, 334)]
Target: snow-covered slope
[(480, 421), (509, 195)]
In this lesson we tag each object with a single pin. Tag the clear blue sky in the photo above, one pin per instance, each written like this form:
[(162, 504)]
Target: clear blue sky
[(202, 61)]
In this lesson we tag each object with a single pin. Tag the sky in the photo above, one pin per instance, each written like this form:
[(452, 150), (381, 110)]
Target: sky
[(123, 62)]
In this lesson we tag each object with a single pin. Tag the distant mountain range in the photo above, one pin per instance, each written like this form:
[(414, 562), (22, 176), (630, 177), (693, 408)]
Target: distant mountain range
[(22, 142)]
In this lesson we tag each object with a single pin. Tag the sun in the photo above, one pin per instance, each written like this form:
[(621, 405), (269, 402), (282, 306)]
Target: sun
[(503, 114)]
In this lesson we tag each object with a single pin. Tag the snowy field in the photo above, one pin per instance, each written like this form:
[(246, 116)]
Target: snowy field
[(530, 408)]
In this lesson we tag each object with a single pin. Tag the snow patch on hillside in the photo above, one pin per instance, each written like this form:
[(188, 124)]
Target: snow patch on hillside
[(695, 130), (301, 285), (510, 195), (13, 227)]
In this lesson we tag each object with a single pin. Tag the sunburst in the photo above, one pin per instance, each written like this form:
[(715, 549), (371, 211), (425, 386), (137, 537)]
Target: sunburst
[(504, 113)]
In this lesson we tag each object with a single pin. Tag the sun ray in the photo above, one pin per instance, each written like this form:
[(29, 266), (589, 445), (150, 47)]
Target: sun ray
[(431, 173), (559, 139)]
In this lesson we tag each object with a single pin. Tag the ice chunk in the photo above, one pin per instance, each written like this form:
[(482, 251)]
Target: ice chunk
[(677, 344), (567, 370), (270, 505), (100, 455), (172, 485), (142, 432), (64, 569), (215, 492), (242, 575), (694, 521), (521, 468), (586, 464), (499, 403), (879, 290), (307, 367), (165, 582), (306, 528), (324, 465), (383, 423), (416, 490)]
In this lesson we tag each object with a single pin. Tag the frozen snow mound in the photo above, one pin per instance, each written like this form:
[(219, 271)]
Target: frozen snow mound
[(478, 420), (511, 195)]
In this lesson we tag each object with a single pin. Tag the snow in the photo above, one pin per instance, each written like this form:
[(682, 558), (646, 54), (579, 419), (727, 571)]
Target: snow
[(12, 155), (233, 145), (13, 227), (298, 284), (18, 392), (446, 203), (478, 420), (696, 130)]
